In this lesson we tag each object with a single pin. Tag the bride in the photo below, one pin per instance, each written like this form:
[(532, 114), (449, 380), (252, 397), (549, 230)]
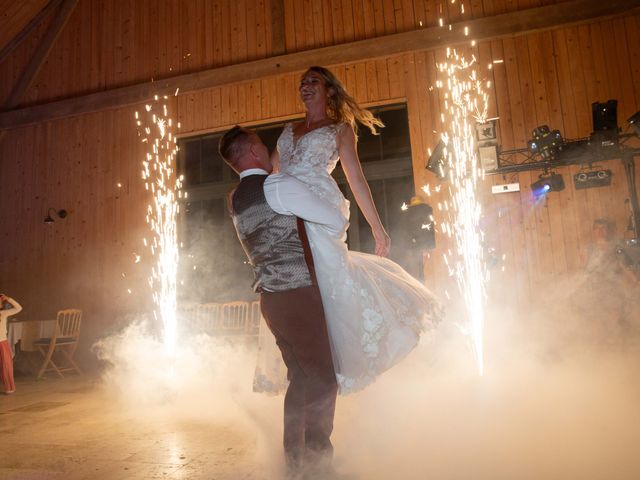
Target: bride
[(375, 311)]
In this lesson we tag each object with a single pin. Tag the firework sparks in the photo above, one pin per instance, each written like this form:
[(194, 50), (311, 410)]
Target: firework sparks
[(465, 105), (160, 177)]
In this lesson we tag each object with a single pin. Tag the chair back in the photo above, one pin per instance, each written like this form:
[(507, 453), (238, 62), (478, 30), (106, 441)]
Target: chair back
[(255, 316), (206, 317), (234, 316), (223, 319), (68, 323)]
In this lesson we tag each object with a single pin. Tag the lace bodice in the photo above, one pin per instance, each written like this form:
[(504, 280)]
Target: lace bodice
[(311, 158), (314, 153)]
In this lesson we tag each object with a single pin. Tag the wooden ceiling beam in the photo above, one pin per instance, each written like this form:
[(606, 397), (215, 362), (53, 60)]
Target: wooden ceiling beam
[(508, 24), (24, 33), (40, 55)]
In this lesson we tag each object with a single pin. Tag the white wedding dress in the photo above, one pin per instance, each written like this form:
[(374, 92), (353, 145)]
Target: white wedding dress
[(375, 310)]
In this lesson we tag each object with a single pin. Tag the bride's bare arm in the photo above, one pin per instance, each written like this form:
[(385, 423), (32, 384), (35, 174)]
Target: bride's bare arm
[(360, 188), (275, 160)]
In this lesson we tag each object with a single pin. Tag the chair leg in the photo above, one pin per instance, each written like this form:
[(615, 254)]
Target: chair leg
[(47, 360), (70, 360), (55, 368)]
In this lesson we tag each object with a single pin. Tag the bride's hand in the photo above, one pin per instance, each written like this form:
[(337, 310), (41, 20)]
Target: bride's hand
[(383, 242)]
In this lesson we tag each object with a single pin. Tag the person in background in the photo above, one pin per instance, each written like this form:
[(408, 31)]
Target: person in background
[(603, 291), (8, 307)]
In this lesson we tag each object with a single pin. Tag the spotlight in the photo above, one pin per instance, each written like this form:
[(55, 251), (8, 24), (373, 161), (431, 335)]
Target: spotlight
[(437, 162), (546, 142), (592, 179), (547, 183), (634, 121), (60, 213), (605, 124)]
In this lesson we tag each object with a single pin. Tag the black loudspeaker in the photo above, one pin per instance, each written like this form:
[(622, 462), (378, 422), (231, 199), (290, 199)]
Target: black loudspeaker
[(592, 179), (605, 124), (605, 115)]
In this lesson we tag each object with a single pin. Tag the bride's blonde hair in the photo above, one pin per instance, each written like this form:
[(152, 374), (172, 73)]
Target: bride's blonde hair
[(342, 107)]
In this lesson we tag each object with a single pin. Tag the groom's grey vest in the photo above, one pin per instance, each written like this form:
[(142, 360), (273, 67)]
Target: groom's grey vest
[(271, 241)]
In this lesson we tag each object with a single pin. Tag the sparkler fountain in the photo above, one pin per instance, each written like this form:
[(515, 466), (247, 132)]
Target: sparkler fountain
[(161, 180), (465, 104)]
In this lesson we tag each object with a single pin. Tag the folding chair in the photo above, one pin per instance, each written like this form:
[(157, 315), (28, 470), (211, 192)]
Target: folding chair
[(65, 340), (235, 316), (255, 317), (208, 317)]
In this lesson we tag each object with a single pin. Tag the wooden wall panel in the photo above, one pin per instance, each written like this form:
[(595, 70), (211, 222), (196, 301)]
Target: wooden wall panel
[(112, 43), (76, 163)]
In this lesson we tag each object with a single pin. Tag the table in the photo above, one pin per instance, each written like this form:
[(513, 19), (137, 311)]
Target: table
[(27, 331)]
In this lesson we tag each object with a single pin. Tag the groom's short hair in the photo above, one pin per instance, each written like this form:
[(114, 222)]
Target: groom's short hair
[(232, 143)]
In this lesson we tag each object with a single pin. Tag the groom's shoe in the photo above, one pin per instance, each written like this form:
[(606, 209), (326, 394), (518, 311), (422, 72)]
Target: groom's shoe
[(295, 475), (326, 472), (295, 469)]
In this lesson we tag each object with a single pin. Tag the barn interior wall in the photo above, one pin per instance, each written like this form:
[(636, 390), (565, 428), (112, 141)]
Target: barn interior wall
[(90, 164)]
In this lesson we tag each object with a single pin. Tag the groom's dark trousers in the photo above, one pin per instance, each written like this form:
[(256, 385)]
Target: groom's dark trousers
[(297, 321)]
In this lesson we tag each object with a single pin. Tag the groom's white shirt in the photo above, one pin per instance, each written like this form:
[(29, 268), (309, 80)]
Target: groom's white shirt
[(287, 195)]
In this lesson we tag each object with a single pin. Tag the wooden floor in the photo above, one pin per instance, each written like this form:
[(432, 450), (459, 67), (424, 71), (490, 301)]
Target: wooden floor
[(542, 411), (67, 429)]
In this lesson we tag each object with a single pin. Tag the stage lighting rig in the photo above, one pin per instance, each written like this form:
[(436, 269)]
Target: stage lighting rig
[(546, 142)]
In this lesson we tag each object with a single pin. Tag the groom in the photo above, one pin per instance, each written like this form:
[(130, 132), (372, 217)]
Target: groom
[(268, 213)]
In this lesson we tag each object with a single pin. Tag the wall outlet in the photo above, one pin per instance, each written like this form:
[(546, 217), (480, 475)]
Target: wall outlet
[(506, 188)]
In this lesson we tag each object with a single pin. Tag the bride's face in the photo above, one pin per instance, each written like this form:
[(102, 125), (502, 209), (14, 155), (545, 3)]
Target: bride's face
[(313, 88)]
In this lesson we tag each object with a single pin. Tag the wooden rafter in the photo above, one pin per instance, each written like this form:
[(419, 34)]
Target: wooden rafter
[(40, 55), (24, 33), (508, 24)]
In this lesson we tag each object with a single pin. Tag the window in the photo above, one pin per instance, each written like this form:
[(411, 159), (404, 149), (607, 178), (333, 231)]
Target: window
[(213, 264)]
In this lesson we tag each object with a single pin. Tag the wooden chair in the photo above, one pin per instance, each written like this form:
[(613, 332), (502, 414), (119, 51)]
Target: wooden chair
[(65, 340), (209, 316), (255, 318), (234, 318)]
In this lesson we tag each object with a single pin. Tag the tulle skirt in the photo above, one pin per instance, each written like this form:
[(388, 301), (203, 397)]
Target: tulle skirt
[(375, 313)]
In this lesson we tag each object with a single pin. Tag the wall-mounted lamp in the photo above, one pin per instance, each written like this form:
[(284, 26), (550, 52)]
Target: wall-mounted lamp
[(60, 213)]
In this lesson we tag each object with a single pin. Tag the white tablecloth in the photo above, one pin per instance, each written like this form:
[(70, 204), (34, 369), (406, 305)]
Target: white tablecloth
[(28, 331)]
